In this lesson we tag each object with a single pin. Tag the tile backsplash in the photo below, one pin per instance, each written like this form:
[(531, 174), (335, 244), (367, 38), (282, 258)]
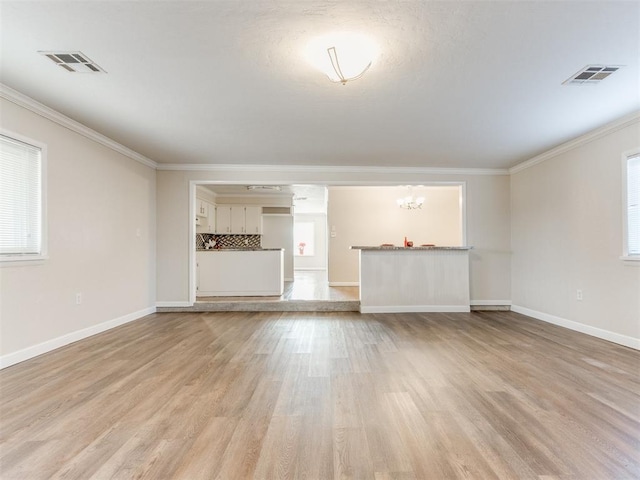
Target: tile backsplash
[(228, 241)]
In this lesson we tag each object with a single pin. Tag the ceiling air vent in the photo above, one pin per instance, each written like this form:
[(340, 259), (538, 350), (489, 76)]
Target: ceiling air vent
[(75, 62), (592, 74)]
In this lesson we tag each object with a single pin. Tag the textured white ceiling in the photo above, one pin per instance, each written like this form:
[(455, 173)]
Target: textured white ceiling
[(457, 84)]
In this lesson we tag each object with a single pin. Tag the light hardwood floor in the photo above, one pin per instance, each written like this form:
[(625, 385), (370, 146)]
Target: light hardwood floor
[(243, 395)]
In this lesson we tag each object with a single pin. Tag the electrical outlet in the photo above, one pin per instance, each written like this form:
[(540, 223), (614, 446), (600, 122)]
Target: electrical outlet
[(579, 295), (78, 298)]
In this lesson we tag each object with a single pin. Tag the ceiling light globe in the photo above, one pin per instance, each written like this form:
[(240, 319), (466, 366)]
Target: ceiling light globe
[(355, 53)]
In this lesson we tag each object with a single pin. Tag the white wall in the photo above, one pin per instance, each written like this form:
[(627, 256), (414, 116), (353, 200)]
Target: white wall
[(369, 216), (317, 261), (277, 232), (97, 200), (567, 235), (488, 220)]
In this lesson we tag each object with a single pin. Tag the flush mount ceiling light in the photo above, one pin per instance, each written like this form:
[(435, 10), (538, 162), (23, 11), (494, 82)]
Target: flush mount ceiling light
[(591, 74), (73, 62), (342, 57), (409, 202), (276, 188)]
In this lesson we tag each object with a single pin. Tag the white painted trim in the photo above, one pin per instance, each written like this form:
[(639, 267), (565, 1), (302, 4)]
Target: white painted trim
[(36, 107), (329, 169), (625, 340), (344, 284), (315, 269), (624, 171), (30, 104), (463, 211), (49, 345), (416, 309), (490, 302), (577, 142), (192, 270), (177, 303)]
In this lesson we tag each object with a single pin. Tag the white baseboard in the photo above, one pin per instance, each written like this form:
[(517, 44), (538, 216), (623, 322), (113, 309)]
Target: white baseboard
[(177, 303), (414, 308), (490, 302), (44, 347), (625, 340), (344, 284)]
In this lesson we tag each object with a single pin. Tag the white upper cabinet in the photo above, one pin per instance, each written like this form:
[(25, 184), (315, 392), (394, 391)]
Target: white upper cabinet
[(253, 220), (202, 208), (205, 216), (211, 220), (223, 219), (237, 220)]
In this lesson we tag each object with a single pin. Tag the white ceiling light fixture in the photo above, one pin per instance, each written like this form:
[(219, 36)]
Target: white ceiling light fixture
[(409, 202), (275, 188), (342, 57)]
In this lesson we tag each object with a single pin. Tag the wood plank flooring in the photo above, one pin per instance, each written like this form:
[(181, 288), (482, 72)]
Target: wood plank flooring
[(238, 395)]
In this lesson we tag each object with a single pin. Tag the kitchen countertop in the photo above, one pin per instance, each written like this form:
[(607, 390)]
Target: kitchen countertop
[(241, 250), (379, 247)]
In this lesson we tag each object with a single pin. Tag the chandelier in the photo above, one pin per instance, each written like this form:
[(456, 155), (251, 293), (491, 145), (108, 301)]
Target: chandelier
[(409, 202)]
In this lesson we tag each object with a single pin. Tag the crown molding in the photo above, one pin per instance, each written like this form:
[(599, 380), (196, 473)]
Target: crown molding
[(330, 169), (29, 103), (579, 141)]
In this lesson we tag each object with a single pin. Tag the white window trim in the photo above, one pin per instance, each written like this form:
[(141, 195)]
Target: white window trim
[(625, 234), (22, 260)]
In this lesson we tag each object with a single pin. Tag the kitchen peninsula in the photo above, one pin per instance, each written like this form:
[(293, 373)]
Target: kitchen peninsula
[(414, 279), (237, 272)]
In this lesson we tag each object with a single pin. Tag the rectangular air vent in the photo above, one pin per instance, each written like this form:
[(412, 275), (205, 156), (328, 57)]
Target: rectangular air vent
[(276, 210), (592, 74), (74, 62)]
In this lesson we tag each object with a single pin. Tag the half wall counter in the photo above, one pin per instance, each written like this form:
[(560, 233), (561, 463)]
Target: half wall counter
[(414, 279), (240, 272)]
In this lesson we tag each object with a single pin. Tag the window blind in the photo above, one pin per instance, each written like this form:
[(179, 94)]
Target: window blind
[(633, 205), (20, 198)]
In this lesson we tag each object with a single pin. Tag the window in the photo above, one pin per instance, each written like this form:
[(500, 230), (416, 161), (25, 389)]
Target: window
[(631, 169), (303, 239), (22, 236)]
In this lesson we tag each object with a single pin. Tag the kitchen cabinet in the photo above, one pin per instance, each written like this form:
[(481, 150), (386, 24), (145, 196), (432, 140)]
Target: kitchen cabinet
[(237, 220), (240, 272), (210, 221), (253, 220), (202, 208), (205, 223), (223, 219)]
